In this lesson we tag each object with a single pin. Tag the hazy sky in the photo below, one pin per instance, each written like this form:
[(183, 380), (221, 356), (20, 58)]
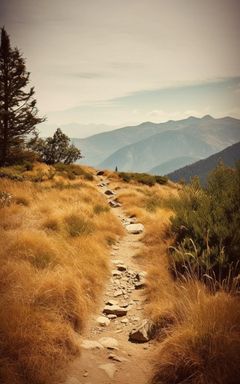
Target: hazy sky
[(122, 62)]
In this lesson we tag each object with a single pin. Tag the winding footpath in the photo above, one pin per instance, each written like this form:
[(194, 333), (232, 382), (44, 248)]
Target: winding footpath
[(108, 353)]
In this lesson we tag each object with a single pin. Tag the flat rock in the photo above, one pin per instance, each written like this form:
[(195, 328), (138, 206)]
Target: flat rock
[(114, 357), (103, 321), (115, 272), (112, 317), (121, 267), (112, 302), (117, 262), (109, 192), (109, 342), (110, 369), (114, 310), (135, 229), (114, 204), (140, 284), (91, 344), (118, 293), (142, 334)]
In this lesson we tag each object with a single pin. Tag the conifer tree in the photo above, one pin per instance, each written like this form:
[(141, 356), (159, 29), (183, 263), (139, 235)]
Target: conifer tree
[(18, 112)]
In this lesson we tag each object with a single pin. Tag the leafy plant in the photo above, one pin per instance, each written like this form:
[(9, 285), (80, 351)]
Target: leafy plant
[(209, 219)]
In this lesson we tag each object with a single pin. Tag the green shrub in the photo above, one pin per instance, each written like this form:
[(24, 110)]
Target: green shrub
[(143, 178), (206, 226)]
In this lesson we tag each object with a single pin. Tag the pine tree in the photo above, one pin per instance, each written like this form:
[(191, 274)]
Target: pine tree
[(18, 112)]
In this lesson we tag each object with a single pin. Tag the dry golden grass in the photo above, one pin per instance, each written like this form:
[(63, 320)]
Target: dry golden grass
[(54, 264), (204, 347)]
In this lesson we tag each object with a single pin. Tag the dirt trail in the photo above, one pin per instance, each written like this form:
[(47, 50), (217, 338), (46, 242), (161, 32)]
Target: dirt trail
[(129, 363)]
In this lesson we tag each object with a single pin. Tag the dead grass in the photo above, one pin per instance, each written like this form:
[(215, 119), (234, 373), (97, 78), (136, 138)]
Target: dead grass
[(54, 264), (205, 347)]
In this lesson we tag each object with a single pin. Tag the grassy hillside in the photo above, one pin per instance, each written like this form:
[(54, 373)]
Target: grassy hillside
[(55, 232), (55, 235), (202, 168)]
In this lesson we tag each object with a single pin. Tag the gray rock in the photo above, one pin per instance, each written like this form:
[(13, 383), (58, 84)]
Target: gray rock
[(140, 285), (109, 192), (109, 342), (112, 317), (111, 302), (135, 228), (103, 321), (115, 272), (144, 333), (117, 262), (110, 369), (91, 344), (114, 204), (114, 357), (121, 267), (125, 321), (114, 310)]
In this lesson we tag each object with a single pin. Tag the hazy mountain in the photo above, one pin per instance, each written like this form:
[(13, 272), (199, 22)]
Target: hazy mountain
[(157, 149), (192, 137), (98, 147), (172, 165), (201, 168)]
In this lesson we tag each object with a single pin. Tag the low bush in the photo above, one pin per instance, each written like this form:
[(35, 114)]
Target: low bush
[(206, 226), (142, 178)]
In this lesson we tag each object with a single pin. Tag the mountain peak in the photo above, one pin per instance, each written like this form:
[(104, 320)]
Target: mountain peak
[(207, 117)]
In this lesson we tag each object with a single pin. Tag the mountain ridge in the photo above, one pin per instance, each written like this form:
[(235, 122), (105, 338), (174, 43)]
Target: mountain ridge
[(202, 168)]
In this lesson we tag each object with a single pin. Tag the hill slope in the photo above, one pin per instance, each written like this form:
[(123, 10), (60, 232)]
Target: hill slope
[(98, 147), (201, 168), (171, 165), (208, 136), (157, 149)]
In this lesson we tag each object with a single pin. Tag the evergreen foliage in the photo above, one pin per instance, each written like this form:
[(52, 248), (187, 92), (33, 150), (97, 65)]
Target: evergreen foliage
[(18, 112), (206, 225), (143, 178), (56, 149)]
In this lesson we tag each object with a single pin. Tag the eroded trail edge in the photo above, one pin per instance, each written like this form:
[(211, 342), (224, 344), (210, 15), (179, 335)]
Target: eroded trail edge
[(116, 346)]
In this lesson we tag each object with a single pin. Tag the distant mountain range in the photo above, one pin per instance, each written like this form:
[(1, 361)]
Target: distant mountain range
[(229, 156), (159, 148), (171, 165)]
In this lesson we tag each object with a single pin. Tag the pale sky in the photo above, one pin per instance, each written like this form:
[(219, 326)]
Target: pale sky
[(124, 62)]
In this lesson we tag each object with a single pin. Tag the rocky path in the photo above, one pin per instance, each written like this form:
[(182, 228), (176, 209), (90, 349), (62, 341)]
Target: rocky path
[(116, 346)]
